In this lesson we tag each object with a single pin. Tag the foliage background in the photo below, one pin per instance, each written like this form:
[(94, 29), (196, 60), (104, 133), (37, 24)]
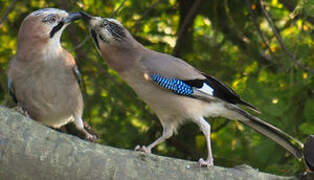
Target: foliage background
[(230, 39)]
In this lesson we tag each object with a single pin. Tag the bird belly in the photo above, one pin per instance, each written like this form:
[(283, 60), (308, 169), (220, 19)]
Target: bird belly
[(49, 98), (173, 109), (57, 122), (167, 105)]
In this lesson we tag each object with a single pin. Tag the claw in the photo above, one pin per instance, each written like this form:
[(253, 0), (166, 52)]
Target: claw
[(22, 111), (88, 136), (91, 138), (142, 149), (208, 163)]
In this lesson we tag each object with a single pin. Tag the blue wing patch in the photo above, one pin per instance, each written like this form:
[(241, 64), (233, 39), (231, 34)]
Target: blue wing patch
[(175, 85), (209, 86), (11, 91)]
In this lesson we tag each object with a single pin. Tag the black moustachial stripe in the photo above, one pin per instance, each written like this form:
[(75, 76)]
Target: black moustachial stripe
[(94, 36), (56, 29)]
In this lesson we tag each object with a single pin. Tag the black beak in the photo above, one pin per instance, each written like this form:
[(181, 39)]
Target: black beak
[(72, 17), (86, 17)]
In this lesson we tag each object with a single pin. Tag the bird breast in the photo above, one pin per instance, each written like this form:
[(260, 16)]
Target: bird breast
[(163, 102), (48, 90)]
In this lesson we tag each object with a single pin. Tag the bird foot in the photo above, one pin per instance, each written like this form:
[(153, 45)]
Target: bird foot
[(142, 149), (21, 110), (88, 136), (208, 163), (91, 138)]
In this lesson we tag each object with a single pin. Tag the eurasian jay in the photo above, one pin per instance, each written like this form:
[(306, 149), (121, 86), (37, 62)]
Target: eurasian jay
[(42, 77), (175, 90), (309, 152)]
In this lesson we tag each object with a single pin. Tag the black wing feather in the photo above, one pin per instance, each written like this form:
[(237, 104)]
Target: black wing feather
[(77, 74), (221, 90), (11, 90)]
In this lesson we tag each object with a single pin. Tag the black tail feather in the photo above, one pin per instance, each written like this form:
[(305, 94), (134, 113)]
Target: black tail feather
[(250, 106), (291, 144)]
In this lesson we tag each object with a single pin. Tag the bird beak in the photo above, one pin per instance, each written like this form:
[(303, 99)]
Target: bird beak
[(86, 17), (72, 17)]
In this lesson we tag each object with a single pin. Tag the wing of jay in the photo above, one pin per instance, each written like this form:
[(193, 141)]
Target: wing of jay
[(42, 76), (176, 91)]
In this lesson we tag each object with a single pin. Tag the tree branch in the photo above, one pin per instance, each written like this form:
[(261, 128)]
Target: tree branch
[(29, 150), (280, 41), (148, 9), (87, 37), (118, 9), (188, 20), (224, 124), (7, 12), (259, 31), (290, 5)]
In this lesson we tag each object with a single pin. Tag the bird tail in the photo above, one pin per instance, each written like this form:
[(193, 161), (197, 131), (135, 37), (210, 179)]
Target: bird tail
[(250, 106), (291, 144)]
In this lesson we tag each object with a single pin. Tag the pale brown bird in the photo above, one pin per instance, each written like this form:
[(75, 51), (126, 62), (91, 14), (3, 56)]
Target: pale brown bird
[(42, 76), (176, 91)]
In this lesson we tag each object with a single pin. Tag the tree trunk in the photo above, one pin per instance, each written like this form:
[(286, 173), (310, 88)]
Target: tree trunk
[(29, 150)]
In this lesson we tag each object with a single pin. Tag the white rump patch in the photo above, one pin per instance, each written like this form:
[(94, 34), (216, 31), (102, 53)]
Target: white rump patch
[(206, 89)]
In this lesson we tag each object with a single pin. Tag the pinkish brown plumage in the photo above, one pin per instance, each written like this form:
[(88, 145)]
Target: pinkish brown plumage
[(176, 91), (42, 73)]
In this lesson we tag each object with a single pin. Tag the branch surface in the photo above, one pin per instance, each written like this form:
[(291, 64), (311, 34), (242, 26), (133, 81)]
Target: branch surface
[(30, 151)]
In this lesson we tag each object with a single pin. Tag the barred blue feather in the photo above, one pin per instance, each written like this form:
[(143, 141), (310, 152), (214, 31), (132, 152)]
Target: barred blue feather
[(175, 85)]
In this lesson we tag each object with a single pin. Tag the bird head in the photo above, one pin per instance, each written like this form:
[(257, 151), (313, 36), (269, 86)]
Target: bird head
[(108, 32), (44, 27), (113, 41)]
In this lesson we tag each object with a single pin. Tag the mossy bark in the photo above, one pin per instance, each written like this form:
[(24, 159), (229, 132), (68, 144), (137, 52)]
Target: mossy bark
[(29, 150)]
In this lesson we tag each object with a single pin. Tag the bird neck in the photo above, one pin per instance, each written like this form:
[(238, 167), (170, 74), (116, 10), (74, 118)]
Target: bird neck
[(43, 49), (121, 58)]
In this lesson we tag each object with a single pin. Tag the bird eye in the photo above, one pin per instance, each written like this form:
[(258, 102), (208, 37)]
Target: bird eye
[(104, 24), (50, 19)]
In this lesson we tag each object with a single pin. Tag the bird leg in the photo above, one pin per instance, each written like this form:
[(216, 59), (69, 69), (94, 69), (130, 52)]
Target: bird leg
[(90, 130), (167, 133), (205, 128), (80, 126), (88, 136)]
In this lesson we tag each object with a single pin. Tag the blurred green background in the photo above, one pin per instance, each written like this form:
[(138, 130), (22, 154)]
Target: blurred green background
[(229, 39)]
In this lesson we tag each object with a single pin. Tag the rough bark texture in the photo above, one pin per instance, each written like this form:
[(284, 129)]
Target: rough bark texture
[(29, 150)]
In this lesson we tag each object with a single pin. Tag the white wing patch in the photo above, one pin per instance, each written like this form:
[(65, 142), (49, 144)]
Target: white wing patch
[(206, 89)]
